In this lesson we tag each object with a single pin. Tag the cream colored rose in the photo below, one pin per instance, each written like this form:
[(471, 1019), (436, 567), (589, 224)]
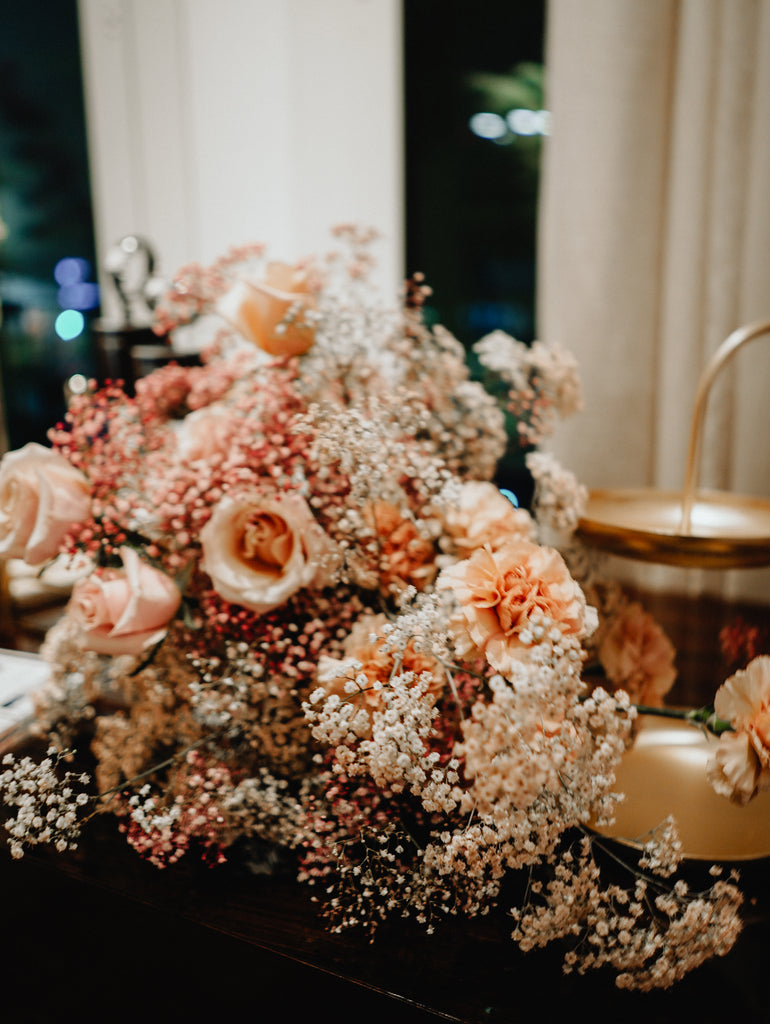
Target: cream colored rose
[(271, 312), (124, 611), (741, 767), (259, 551), (638, 656), (41, 497), (501, 594), (482, 515)]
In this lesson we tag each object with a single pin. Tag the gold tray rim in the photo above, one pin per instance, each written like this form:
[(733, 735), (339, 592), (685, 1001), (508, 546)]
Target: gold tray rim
[(665, 546)]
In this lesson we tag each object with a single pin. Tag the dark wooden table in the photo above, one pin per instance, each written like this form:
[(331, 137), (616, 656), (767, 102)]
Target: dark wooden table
[(109, 937), (100, 935)]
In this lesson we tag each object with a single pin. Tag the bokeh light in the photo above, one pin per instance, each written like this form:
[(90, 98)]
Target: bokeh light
[(69, 324)]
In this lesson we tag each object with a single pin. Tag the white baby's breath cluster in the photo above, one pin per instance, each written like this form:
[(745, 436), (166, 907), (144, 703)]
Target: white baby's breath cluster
[(651, 934), (559, 498), (48, 803)]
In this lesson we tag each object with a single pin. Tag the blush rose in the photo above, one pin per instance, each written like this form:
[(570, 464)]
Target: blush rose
[(205, 433), (41, 496), (124, 611), (741, 767), (271, 312), (502, 593), (260, 551)]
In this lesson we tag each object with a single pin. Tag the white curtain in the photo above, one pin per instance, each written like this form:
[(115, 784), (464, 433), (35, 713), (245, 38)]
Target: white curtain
[(214, 123), (655, 237)]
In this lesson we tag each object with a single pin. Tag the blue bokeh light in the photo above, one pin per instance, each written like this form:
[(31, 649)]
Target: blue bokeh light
[(69, 324), (80, 295), (510, 496), (71, 270)]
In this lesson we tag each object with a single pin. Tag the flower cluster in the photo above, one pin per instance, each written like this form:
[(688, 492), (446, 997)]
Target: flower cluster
[(309, 618), (541, 381)]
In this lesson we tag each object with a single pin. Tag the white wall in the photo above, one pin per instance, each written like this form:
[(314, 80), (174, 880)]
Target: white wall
[(220, 122)]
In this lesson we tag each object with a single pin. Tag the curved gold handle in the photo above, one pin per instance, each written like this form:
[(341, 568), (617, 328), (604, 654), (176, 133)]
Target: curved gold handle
[(726, 350)]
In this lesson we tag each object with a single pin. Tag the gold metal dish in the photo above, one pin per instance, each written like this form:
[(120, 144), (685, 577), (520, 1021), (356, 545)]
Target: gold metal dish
[(665, 773), (694, 528), (726, 530)]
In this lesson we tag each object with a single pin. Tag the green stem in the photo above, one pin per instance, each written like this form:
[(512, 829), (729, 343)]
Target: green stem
[(697, 716)]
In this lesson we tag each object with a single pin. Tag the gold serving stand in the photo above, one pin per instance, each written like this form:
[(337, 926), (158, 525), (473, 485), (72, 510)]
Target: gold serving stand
[(665, 770), (691, 528)]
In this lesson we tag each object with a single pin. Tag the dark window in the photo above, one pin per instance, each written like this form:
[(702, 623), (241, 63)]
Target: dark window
[(45, 210)]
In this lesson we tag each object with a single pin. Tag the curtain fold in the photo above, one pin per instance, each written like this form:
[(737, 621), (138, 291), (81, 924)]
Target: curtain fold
[(655, 235)]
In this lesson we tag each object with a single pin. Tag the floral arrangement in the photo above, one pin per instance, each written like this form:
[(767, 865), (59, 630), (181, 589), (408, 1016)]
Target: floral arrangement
[(307, 617)]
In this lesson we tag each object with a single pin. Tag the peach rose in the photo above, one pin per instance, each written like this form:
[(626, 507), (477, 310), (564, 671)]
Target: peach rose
[(259, 551), (124, 611), (500, 593), (482, 516), (741, 766), (405, 557), (271, 312), (376, 664), (41, 497), (638, 656)]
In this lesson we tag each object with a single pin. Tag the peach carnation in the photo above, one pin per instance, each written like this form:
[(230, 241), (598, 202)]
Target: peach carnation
[(741, 766), (637, 656), (502, 594), (484, 516), (405, 557), (365, 646)]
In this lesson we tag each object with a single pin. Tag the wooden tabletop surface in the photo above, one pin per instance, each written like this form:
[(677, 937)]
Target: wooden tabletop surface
[(101, 935)]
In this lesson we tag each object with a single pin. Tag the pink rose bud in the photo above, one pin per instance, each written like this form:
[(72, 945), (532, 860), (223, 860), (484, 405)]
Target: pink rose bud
[(124, 611)]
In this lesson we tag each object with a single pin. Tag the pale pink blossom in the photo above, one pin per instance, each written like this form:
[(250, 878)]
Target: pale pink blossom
[(503, 594), (741, 766), (483, 516), (260, 550), (270, 312), (41, 496), (124, 611), (205, 433), (637, 656)]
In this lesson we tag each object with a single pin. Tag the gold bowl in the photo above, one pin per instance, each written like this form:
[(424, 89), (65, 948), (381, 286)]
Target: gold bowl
[(665, 773)]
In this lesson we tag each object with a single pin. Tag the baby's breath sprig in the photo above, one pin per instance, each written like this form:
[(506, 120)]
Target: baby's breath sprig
[(47, 803)]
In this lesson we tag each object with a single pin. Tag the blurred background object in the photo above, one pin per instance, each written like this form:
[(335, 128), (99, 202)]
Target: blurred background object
[(48, 289)]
